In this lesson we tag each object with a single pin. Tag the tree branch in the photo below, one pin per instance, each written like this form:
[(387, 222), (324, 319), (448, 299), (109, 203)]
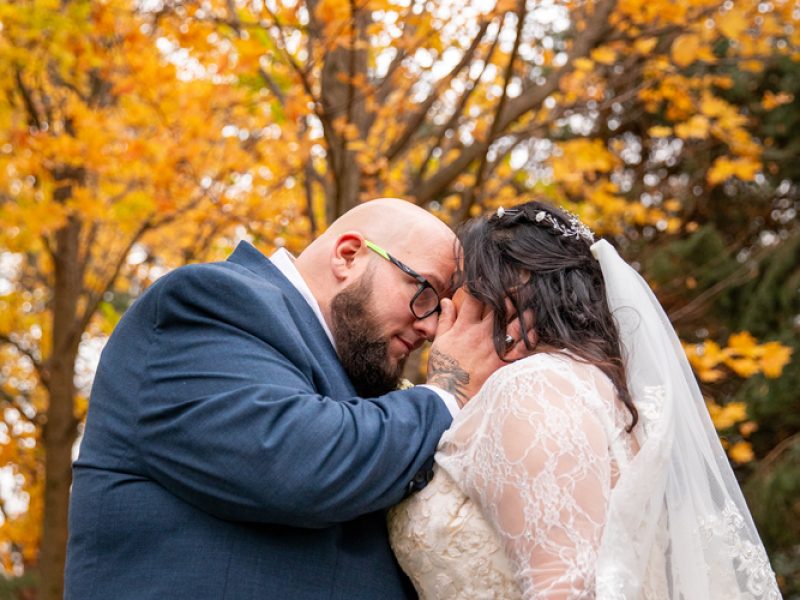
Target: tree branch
[(327, 126), (272, 86), (383, 89), (474, 192), (94, 298), (745, 273), (351, 61), (235, 23), (413, 124), (451, 122), (531, 98), (27, 98), (6, 339), (15, 403)]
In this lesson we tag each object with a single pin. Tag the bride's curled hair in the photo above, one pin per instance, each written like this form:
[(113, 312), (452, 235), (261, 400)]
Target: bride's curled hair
[(523, 255)]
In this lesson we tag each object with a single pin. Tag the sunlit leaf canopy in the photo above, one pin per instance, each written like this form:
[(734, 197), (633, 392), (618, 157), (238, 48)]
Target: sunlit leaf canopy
[(602, 105)]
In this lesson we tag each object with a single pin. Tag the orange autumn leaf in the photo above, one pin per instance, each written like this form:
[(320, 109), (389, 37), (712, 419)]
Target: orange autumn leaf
[(686, 49), (732, 23), (724, 168), (774, 358), (741, 452)]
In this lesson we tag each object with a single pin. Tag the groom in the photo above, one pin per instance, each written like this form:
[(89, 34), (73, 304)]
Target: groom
[(245, 435)]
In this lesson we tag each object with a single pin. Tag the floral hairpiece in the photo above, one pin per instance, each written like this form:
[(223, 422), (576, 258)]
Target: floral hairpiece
[(575, 229)]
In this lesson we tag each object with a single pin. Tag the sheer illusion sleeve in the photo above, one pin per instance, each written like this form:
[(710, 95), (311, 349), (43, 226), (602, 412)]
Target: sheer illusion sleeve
[(534, 455)]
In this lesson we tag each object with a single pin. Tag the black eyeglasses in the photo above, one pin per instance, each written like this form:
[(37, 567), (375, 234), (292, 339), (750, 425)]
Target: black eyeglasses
[(426, 301)]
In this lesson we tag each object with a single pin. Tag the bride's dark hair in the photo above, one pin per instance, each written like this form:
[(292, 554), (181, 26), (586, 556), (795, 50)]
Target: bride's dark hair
[(552, 276)]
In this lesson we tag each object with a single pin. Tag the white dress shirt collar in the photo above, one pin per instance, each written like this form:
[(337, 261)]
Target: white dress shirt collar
[(284, 261)]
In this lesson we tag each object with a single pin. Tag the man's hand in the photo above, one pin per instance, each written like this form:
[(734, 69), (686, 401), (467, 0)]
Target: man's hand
[(463, 356)]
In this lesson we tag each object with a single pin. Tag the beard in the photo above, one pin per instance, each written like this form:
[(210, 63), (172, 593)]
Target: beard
[(362, 352)]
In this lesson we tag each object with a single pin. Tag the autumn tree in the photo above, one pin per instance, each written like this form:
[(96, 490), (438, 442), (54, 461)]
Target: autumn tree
[(459, 107), (628, 112), (640, 116), (739, 271), (110, 141)]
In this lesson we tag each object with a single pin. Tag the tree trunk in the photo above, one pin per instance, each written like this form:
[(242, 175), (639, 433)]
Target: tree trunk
[(343, 102), (60, 428)]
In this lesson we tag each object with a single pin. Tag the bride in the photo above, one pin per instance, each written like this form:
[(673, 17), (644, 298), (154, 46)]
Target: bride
[(589, 468)]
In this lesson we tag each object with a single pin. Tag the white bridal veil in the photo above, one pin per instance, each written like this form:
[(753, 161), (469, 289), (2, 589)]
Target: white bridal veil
[(678, 526)]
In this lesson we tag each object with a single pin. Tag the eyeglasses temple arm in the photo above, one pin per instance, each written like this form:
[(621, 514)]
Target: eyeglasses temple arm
[(377, 249)]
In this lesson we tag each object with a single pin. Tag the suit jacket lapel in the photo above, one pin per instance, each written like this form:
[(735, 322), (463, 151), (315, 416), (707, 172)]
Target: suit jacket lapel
[(247, 256)]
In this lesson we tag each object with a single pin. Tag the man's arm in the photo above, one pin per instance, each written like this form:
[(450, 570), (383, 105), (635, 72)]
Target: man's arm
[(232, 422)]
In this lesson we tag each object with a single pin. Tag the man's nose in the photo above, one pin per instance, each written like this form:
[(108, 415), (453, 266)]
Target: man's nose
[(427, 326)]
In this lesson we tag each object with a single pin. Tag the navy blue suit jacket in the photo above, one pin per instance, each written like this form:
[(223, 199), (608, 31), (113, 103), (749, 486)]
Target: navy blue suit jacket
[(227, 456)]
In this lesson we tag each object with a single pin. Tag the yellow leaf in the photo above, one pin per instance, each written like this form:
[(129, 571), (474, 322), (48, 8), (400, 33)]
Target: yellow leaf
[(732, 24), (747, 428), (711, 106), (583, 64), (81, 405), (752, 66), (713, 408), (744, 367), (696, 127), (710, 375), (724, 82), (741, 452), (771, 101), (674, 224), (504, 6), (581, 160), (645, 45), (736, 411), (723, 168), (332, 11), (775, 357), (350, 132), (712, 351), (357, 146), (685, 49), (659, 131), (742, 342), (726, 416), (604, 55)]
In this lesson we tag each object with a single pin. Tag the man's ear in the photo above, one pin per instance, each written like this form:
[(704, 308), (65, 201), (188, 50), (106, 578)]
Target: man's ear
[(344, 258)]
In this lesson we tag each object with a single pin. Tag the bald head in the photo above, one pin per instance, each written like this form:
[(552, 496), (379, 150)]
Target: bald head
[(339, 257), (389, 221)]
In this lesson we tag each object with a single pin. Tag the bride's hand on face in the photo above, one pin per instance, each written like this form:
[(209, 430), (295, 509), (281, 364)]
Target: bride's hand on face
[(458, 299), (517, 349), (463, 355)]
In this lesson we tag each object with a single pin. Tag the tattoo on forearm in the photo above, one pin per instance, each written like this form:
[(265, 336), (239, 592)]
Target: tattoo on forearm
[(444, 371)]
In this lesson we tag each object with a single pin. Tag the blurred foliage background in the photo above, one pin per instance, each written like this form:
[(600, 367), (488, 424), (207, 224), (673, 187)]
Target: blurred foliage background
[(137, 136)]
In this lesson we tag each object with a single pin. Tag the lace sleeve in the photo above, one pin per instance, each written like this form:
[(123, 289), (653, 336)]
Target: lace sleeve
[(540, 470)]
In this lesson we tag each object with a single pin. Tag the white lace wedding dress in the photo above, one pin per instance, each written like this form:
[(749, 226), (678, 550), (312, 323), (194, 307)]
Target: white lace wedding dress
[(522, 479), (521, 503)]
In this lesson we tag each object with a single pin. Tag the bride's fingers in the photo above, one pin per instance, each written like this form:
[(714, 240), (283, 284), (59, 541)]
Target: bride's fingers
[(447, 317), (471, 310), (517, 348), (511, 310), (517, 351)]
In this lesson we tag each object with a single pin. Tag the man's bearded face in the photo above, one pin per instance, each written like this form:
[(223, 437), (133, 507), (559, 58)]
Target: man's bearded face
[(363, 350)]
